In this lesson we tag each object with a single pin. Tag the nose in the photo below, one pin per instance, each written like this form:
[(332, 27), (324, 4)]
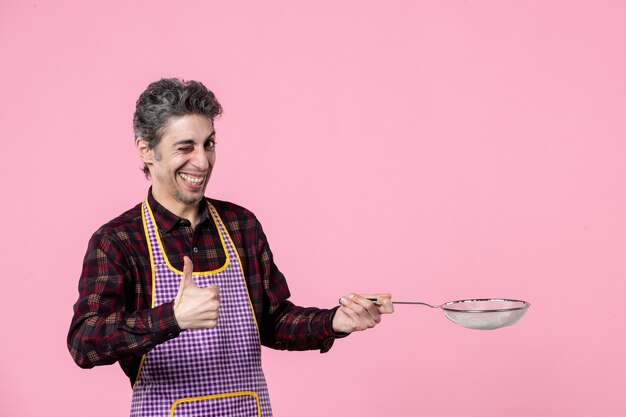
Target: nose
[(201, 158)]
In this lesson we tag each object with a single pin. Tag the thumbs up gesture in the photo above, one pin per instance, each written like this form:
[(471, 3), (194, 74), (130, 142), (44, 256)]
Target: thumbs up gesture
[(195, 307)]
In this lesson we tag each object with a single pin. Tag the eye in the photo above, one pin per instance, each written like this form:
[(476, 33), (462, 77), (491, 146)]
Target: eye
[(210, 144)]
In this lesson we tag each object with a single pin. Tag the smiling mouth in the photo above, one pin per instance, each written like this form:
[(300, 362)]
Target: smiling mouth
[(194, 180)]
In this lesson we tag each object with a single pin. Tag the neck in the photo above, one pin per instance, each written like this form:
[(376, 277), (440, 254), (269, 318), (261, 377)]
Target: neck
[(190, 212)]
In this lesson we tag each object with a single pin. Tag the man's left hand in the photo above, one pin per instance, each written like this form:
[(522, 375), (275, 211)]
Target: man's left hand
[(358, 312)]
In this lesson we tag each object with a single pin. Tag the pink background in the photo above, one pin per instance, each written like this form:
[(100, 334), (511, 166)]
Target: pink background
[(434, 149)]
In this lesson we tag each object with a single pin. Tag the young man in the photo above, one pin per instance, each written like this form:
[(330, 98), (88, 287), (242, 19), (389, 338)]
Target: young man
[(182, 290)]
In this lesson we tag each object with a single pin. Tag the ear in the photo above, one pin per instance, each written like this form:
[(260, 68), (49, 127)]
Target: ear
[(145, 153)]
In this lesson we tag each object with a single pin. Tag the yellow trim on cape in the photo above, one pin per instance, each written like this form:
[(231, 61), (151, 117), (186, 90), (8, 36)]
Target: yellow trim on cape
[(216, 396), (167, 261), (243, 274), (145, 229)]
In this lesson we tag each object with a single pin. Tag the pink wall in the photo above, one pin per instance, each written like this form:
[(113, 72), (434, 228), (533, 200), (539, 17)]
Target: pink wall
[(435, 149)]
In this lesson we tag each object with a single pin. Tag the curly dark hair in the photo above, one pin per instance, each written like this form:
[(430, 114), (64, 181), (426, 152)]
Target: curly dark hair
[(167, 98)]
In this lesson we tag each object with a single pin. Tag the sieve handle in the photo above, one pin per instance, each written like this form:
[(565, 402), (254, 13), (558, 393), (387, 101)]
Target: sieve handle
[(404, 302)]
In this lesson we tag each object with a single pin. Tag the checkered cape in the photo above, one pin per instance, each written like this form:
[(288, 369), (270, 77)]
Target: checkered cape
[(213, 372)]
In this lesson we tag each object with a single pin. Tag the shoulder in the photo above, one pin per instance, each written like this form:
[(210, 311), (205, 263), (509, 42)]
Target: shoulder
[(123, 229), (232, 212), (240, 222)]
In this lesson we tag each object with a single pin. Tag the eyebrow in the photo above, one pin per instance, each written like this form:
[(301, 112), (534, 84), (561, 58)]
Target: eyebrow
[(191, 141)]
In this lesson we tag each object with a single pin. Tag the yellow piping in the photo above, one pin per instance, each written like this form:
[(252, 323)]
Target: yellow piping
[(145, 229), (245, 285), (167, 261), (212, 397)]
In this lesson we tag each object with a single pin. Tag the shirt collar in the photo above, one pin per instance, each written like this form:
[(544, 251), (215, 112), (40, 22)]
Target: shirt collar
[(168, 221)]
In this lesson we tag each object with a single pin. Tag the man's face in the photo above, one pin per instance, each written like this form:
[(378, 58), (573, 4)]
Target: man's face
[(181, 164)]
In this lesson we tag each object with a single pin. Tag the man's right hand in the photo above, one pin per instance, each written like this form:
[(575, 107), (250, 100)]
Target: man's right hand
[(195, 307)]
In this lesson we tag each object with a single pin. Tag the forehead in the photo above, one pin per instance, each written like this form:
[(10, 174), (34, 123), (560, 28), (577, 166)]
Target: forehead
[(190, 126)]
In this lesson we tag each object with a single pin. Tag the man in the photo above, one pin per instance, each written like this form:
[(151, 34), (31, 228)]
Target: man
[(182, 290)]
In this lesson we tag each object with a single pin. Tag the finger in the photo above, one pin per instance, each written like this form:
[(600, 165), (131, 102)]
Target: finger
[(213, 291), (382, 301), (386, 305), (209, 324), (210, 310), (350, 321), (371, 309), (187, 276), (211, 305), (357, 320), (359, 311), (187, 271)]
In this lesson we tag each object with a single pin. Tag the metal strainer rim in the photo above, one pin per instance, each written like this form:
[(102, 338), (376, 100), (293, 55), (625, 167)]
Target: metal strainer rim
[(524, 305)]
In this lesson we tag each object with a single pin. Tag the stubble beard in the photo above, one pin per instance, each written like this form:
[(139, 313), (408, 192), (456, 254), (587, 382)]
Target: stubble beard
[(190, 201)]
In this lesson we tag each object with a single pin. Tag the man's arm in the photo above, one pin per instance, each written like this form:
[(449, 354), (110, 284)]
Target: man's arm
[(290, 327), (103, 329)]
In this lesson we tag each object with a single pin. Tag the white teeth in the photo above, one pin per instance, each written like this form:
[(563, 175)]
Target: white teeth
[(193, 180)]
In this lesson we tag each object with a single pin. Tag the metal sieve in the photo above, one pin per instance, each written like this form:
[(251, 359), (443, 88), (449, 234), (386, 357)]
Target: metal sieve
[(480, 314)]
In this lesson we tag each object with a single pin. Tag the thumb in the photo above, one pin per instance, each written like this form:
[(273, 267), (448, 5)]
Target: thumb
[(186, 280), (187, 273)]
